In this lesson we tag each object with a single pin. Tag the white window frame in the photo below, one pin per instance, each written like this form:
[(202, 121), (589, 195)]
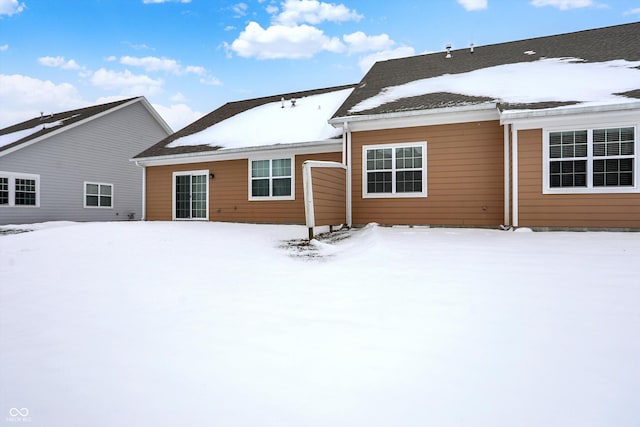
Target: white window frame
[(271, 158), (12, 176), (590, 188), (204, 172), (99, 184), (394, 194)]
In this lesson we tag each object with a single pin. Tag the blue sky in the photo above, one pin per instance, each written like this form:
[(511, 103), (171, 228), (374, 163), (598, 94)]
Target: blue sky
[(188, 57)]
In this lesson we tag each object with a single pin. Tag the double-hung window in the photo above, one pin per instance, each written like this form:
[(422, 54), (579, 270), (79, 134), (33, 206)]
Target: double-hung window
[(394, 170), (19, 189), (97, 195), (598, 160), (271, 179)]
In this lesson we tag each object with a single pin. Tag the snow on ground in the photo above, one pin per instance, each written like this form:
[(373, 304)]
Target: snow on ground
[(554, 79), (165, 324), (272, 123)]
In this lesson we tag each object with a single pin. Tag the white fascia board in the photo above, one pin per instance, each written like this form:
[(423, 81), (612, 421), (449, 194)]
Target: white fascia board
[(573, 114), (436, 116), (155, 115), (297, 148)]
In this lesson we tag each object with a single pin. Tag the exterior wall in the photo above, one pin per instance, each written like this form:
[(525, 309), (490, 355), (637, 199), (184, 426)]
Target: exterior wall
[(465, 176), (329, 195), (566, 210), (228, 192), (98, 151)]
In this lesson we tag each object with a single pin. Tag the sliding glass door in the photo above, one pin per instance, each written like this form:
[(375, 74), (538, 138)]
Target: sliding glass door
[(191, 195)]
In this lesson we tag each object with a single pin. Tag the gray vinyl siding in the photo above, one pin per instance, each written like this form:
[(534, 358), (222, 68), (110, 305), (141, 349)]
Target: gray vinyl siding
[(96, 151)]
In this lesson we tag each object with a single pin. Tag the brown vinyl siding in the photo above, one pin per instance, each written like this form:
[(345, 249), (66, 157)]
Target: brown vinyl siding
[(329, 195), (536, 209), (465, 176), (228, 192)]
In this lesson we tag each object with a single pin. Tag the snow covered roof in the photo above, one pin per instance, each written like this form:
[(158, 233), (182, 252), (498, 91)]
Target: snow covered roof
[(599, 66), (14, 136), (290, 118)]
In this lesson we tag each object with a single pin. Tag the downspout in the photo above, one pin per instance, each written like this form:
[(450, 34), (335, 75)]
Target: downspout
[(348, 164), (507, 177), (144, 191), (514, 173)]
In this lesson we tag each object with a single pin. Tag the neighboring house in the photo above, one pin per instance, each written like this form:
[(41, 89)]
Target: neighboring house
[(540, 132), (243, 161), (75, 165)]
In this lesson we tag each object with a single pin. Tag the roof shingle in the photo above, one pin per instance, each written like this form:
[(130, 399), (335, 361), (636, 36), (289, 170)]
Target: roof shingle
[(596, 45), (19, 134)]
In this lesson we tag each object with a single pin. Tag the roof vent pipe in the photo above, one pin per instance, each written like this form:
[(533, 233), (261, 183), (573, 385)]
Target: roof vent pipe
[(282, 102), (448, 47), (471, 51)]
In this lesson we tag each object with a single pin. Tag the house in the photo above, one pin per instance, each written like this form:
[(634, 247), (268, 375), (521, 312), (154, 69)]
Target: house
[(75, 165), (540, 133), (243, 161)]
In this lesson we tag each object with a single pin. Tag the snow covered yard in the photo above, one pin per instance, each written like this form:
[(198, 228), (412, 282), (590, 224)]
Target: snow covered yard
[(135, 323)]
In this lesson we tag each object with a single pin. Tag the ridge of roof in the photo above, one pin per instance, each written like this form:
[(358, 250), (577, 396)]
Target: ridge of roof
[(57, 122), (590, 45), (222, 113)]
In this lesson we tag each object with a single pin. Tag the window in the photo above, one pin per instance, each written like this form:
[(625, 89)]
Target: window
[(191, 195), (4, 190), (394, 170), (271, 179), (19, 190), (590, 160), (98, 195)]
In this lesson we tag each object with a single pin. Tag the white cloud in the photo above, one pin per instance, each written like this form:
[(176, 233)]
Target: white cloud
[(271, 9), (23, 97), (11, 7), (366, 62), (211, 81), (111, 58), (152, 63), (563, 4), (59, 62), (314, 12), (240, 9), (127, 82), (4, 48), (474, 4), (360, 42), (179, 97), (279, 41), (635, 11), (138, 46), (177, 116)]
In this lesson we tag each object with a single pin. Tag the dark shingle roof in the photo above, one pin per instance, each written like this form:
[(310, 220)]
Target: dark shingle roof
[(54, 122), (596, 45), (225, 112)]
